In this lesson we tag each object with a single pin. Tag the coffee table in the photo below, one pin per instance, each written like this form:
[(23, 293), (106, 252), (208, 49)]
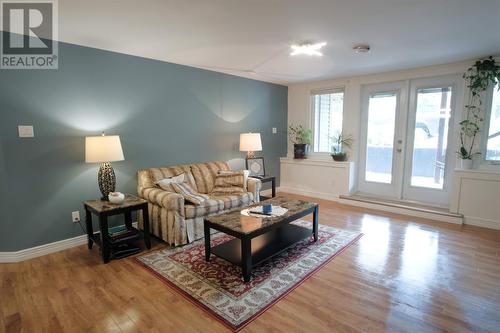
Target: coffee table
[(259, 238)]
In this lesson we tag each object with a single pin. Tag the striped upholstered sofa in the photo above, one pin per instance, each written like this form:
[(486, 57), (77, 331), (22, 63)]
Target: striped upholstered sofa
[(178, 222)]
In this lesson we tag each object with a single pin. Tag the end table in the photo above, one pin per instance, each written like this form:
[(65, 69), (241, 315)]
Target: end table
[(105, 209), (266, 179)]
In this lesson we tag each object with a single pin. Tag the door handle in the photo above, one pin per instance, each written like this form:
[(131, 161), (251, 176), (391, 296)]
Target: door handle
[(399, 150)]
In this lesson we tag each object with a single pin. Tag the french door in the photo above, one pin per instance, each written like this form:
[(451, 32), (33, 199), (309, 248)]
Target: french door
[(406, 133)]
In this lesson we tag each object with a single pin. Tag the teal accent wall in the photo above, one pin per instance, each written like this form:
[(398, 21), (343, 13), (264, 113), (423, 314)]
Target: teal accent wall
[(165, 114)]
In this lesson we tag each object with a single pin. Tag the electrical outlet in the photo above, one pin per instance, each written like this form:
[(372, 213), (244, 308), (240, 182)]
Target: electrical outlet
[(275, 130), (75, 216)]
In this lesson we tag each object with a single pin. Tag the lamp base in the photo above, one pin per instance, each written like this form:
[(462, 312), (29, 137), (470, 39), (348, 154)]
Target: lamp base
[(250, 154), (106, 179)]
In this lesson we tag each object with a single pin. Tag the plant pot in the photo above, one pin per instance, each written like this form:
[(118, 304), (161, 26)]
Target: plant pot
[(339, 157), (466, 164), (300, 150)]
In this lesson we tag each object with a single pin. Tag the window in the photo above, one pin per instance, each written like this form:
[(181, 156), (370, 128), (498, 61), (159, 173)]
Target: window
[(492, 150), (328, 110)]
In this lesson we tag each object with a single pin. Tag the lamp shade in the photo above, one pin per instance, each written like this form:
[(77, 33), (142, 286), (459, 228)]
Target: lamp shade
[(104, 148), (250, 142)]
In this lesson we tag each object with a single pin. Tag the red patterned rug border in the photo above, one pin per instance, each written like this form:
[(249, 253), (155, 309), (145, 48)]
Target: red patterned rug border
[(220, 319)]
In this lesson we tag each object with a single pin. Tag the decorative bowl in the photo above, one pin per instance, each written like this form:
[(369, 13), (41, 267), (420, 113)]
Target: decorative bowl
[(116, 198)]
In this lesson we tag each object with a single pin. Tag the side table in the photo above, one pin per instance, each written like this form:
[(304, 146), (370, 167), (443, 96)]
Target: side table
[(266, 179), (105, 209)]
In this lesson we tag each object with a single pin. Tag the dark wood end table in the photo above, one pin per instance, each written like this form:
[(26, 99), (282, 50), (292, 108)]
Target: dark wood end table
[(105, 209), (265, 179), (259, 238)]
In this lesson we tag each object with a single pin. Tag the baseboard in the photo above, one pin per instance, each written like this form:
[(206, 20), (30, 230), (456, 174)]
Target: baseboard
[(404, 211), (396, 210), (480, 222), (41, 250), (38, 251)]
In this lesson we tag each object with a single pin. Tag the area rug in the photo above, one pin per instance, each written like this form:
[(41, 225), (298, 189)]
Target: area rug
[(218, 287)]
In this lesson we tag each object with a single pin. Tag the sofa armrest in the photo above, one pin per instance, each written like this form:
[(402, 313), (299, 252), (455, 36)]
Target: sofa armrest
[(168, 200), (254, 185)]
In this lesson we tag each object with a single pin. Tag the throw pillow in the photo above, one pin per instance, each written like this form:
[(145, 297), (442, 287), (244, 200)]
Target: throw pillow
[(229, 190), (230, 178), (189, 194), (166, 183)]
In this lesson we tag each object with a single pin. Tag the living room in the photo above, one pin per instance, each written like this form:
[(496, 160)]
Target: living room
[(224, 166)]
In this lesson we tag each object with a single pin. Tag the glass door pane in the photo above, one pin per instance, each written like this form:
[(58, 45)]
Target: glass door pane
[(430, 138), (380, 137)]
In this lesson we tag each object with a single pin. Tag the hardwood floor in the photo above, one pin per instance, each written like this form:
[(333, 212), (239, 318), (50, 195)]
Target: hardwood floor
[(404, 275)]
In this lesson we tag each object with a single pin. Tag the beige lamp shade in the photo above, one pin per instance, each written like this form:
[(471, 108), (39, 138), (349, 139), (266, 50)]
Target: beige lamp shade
[(104, 148), (250, 142)]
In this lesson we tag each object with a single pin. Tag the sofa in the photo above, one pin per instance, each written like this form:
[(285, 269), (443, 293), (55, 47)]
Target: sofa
[(175, 220)]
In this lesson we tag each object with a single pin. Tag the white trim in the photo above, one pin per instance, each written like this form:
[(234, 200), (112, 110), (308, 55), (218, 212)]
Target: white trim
[(482, 222), (41, 250), (403, 211), (397, 210)]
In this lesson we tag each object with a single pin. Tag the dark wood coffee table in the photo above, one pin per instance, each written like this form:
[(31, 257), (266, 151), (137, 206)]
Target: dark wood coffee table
[(259, 238)]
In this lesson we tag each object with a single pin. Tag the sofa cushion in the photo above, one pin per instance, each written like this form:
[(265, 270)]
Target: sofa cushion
[(236, 200), (207, 207), (204, 174), (189, 194)]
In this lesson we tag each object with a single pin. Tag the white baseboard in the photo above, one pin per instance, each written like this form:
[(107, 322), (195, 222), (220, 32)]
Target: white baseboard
[(481, 222), (38, 251), (402, 211)]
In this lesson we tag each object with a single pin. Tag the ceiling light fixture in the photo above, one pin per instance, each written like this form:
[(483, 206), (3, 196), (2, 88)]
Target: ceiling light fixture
[(361, 48), (307, 49)]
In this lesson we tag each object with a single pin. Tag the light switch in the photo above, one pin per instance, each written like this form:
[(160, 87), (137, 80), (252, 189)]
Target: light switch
[(275, 130), (25, 131)]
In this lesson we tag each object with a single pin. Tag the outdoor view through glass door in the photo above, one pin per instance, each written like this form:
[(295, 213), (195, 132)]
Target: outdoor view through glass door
[(405, 138)]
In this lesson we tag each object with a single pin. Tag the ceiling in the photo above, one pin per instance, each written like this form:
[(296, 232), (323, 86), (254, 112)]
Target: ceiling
[(252, 38)]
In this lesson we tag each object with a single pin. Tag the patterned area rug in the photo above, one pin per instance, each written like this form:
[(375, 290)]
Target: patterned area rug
[(218, 286)]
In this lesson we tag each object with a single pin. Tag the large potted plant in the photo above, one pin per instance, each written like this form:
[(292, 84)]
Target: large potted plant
[(340, 143), (479, 77), (301, 138)]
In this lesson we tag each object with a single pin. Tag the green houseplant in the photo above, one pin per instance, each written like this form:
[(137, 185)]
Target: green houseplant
[(301, 138), (341, 142), (479, 77)]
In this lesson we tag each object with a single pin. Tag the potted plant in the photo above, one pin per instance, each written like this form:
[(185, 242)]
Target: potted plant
[(480, 77), (341, 142), (468, 132), (301, 138)]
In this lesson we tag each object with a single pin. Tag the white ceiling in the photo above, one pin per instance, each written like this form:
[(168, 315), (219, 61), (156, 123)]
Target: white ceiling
[(256, 34)]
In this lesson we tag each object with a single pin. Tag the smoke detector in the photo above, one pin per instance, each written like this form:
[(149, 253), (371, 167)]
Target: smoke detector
[(361, 48)]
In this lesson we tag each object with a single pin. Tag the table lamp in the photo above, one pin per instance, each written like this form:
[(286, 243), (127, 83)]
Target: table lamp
[(250, 142), (104, 149)]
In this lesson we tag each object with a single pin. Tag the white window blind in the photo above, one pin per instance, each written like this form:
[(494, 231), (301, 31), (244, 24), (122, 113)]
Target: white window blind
[(328, 108)]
